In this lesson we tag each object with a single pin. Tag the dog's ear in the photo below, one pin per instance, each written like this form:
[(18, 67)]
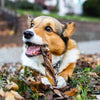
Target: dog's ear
[(69, 29), (29, 20)]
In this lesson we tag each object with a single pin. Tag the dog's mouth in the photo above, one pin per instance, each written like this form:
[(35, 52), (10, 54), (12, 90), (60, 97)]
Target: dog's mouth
[(32, 49)]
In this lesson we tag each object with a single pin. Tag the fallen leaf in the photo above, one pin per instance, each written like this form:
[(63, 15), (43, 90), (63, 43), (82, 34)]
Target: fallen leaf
[(11, 32), (93, 74), (98, 61), (49, 96), (98, 74), (2, 93), (9, 96), (41, 94), (57, 92), (16, 95), (60, 98), (72, 92), (89, 60), (12, 85), (20, 68), (78, 97)]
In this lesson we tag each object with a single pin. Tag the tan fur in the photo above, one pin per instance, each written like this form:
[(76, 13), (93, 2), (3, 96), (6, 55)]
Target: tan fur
[(69, 30), (70, 68), (71, 44), (68, 71), (51, 38), (54, 42)]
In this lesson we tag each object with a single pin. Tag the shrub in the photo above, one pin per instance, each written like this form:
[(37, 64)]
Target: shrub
[(25, 5), (38, 6), (92, 8), (9, 4)]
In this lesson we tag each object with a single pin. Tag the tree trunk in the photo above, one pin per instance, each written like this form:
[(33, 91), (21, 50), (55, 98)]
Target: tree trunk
[(2, 3)]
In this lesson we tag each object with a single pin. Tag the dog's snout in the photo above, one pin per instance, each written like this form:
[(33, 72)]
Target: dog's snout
[(28, 34)]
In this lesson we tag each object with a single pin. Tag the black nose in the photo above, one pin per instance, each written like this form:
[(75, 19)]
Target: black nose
[(28, 34)]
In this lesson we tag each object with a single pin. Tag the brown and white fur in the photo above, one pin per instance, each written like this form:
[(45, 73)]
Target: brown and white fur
[(56, 46)]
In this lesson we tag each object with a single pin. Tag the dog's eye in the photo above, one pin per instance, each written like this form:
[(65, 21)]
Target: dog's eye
[(48, 28), (32, 24)]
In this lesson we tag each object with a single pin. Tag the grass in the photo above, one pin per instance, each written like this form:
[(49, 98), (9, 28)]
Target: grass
[(68, 17), (82, 79)]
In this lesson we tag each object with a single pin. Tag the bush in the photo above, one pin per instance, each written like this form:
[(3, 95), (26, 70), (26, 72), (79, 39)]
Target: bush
[(92, 8), (25, 5), (38, 7), (9, 4)]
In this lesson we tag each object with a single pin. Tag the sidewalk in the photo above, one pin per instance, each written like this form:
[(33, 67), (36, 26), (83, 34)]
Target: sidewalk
[(11, 55), (89, 47)]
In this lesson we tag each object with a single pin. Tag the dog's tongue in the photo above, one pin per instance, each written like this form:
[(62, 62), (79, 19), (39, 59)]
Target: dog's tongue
[(33, 50)]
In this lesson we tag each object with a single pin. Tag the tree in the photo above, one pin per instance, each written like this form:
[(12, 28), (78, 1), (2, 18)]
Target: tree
[(92, 8), (2, 3)]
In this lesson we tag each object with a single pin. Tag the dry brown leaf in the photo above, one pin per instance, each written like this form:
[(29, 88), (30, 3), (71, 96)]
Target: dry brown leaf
[(20, 68), (12, 32), (98, 73), (93, 74), (49, 96), (16, 95), (98, 62), (60, 98), (35, 85), (57, 92), (2, 93), (41, 94), (89, 60), (78, 97), (9, 96), (72, 92), (30, 81), (12, 85)]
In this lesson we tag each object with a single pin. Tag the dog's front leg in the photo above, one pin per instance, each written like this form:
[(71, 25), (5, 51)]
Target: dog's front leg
[(60, 82), (68, 71)]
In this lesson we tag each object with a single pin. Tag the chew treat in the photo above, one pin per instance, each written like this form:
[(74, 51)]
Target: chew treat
[(50, 74)]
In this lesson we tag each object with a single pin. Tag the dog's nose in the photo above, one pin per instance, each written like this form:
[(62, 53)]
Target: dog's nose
[(28, 34)]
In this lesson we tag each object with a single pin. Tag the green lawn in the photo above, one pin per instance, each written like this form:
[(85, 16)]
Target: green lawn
[(68, 17)]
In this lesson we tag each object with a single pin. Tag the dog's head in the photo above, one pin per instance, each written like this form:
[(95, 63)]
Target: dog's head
[(46, 31)]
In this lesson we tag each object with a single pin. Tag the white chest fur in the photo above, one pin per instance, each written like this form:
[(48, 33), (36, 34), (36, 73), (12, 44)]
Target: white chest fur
[(36, 62), (33, 62)]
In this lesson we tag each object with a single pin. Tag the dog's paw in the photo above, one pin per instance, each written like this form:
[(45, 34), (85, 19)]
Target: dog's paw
[(61, 82)]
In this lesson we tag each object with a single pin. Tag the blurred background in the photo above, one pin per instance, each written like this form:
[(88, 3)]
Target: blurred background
[(13, 16)]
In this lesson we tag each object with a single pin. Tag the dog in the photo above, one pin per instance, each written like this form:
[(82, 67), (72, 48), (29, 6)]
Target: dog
[(48, 32)]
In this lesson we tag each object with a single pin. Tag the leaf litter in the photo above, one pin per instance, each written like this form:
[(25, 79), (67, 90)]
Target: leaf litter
[(84, 84)]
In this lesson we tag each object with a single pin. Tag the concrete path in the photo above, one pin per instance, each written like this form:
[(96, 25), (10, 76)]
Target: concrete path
[(9, 55), (89, 47)]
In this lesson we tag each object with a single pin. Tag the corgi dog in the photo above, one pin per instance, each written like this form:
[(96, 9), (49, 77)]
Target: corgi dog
[(48, 32)]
